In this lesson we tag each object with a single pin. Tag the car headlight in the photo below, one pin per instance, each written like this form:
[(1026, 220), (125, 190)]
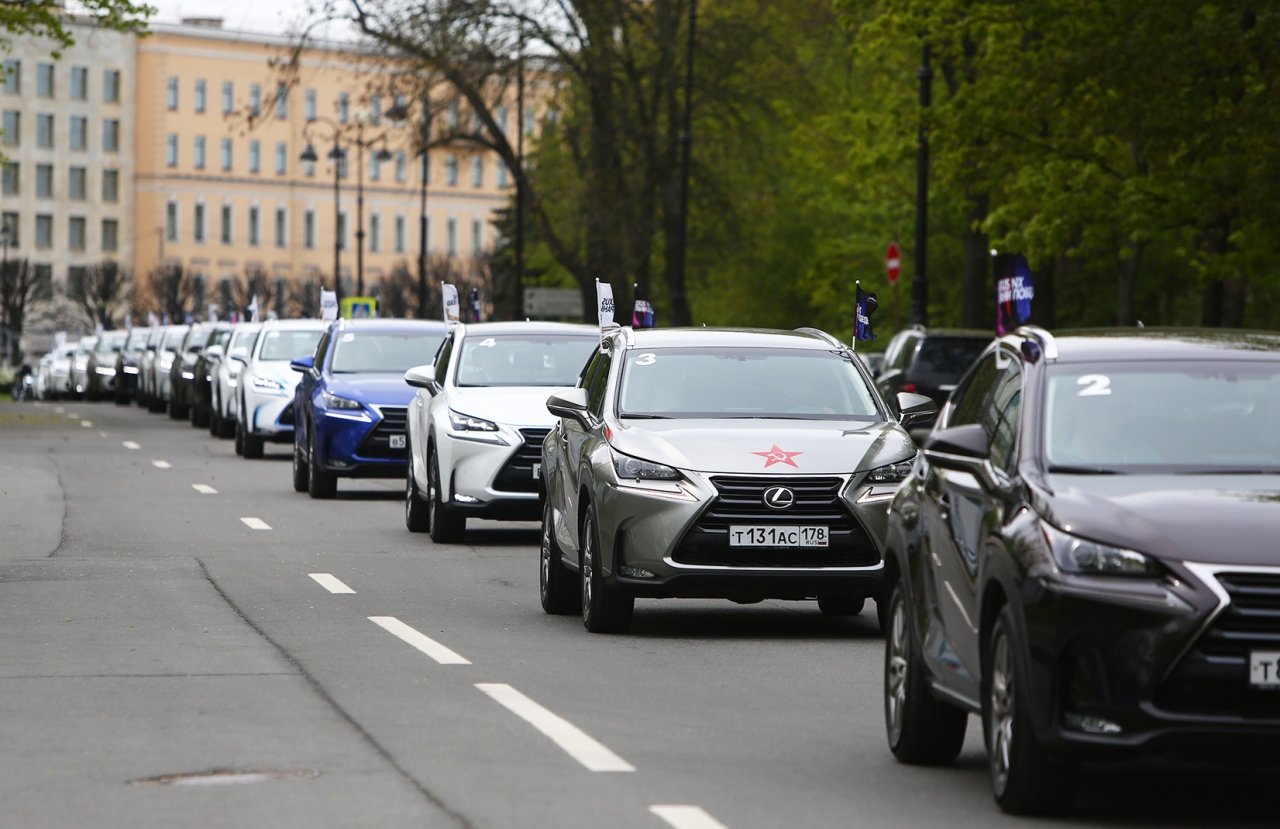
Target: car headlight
[(130, 369), (188, 375), (165, 365), (1085, 557), (268, 385), (466, 423), (893, 473), (635, 469), (333, 401), (103, 370)]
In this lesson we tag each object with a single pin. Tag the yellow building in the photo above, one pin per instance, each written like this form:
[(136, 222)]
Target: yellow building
[(221, 189)]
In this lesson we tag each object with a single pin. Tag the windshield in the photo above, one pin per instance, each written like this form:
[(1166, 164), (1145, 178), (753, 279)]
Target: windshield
[(793, 383), (244, 337), (288, 345), (523, 360), (137, 339), (110, 343), (173, 338), (1166, 416), (370, 351)]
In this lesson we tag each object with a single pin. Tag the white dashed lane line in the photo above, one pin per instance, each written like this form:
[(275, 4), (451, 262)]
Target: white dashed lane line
[(686, 817), (256, 524), (421, 641), (576, 743), (103, 434), (204, 489), (88, 424), (129, 444), (162, 465), (330, 582)]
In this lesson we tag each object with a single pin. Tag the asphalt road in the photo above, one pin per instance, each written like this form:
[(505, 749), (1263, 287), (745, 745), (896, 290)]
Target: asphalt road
[(184, 641)]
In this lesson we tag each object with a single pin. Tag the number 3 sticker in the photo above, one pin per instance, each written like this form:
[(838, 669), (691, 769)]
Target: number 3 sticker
[(1094, 385), (647, 359)]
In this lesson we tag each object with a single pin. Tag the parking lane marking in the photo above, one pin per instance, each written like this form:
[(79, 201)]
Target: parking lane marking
[(129, 444), (686, 817), (330, 582), (256, 524), (204, 489), (579, 745), (421, 641), (88, 424), (162, 465)]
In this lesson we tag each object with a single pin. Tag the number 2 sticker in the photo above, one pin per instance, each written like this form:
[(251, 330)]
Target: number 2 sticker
[(1093, 385), (647, 359)]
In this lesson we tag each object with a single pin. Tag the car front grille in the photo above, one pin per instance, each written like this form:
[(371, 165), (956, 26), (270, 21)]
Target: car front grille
[(1213, 676), (377, 444), (516, 475), (740, 501)]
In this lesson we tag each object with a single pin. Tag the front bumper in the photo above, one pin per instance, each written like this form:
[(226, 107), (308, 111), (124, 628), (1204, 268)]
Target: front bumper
[(495, 474), (358, 444)]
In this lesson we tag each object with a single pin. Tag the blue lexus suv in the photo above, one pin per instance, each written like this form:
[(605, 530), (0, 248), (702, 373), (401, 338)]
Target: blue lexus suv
[(350, 408)]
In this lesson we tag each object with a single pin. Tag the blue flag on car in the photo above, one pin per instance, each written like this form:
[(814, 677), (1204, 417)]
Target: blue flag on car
[(1014, 292), (642, 313), (864, 308)]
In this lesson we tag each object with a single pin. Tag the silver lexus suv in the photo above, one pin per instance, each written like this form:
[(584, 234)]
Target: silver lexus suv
[(719, 463)]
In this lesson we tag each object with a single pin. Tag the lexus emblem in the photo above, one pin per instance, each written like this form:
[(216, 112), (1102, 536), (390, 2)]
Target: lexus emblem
[(779, 497)]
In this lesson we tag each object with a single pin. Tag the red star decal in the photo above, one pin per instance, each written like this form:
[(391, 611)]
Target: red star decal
[(776, 455)]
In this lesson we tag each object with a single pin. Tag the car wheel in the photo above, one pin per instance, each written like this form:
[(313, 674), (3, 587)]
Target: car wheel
[(841, 605), (176, 411), (556, 587), (215, 423), (416, 512), (253, 445), (300, 473), (320, 483), (239, 435), (921, 730), (444, 525), (155, 405), (1025, 779), (603, 610)]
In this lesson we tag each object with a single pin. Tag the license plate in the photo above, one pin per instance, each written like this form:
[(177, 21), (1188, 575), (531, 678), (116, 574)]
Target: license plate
[(537, 471), (397, 441), (773, 536), (1264, 669)]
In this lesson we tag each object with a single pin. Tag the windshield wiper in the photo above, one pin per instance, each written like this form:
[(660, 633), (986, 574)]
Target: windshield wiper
[(1230, 471), (643, 416), (1084, 470)]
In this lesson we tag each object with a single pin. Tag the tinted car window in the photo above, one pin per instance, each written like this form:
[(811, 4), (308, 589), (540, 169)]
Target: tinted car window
[(387, 352), (947, 355), (598, 381), (287, 345), (443, 357), (1001, 419), (967, 400), (522, 360), (899, 350)]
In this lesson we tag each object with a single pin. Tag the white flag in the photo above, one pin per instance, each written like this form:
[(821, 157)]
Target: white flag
[(253, 309), (604, 302), (328, 306), (213, 312), (153, 319), (450, 296)]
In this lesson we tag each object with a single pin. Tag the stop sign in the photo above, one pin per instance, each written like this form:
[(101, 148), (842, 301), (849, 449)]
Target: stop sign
[(893, 263)]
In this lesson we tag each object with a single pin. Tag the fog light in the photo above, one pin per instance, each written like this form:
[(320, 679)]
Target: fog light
[(635, 572), (1090, 725), (465, 499)]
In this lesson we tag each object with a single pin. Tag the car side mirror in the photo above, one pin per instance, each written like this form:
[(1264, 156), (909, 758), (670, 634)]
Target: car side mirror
[(571, 403), (302, 364), (915, 408), (961, 447), (422, 377), (214, 352), (240, 355)]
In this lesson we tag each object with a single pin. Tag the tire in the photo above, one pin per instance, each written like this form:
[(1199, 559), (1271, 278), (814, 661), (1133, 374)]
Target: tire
[(1025, 779), (176, 412), (921, 730), (557, 586), (417, 518), (300, 467), (841, 605), (603, 610), (320, 483), (253, 445), (239, 436), (215, 423), (445, 525), (156, 404)]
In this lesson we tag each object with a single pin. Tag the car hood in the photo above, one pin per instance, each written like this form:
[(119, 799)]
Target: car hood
[(1217, 519), (514, 405), (764, 447), (378, 389)]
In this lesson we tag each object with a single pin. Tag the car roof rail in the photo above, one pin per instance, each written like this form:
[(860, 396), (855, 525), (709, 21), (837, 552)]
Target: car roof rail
[(1042, 337), (822, 335)]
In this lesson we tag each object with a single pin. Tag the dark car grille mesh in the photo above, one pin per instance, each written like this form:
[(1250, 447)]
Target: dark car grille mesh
[(377, 444), (516, 475), (1213, 677), (740, 501), (286, 416)]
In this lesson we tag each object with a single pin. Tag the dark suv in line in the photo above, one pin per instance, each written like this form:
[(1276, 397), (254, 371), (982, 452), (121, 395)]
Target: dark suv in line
[(928, 361), (1085, 556)]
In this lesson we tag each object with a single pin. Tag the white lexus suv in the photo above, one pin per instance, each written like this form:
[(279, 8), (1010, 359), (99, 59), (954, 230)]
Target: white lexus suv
[(477, 423), (264, 411)]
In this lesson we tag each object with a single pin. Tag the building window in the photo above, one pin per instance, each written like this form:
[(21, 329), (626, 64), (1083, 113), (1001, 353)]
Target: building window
[(451, 169), (253, 226), (199, 159), (200, 95), (451, 237), (477, 237), (77, 183), (110, 235), (79, 132), (501, 116), (44, 181), (375, 167), (375, 110), (111, 86), (226, 224), (171, 93), (309, 169), (44, 80), (79, 83), (111, 135), (310, 104), (281, 227), (44, 130), (197, 225), (13, 77), (342, 231), (344, 107), (255, 156), (44, 231), (528, 122), (309, 230), (453, 115), (477, 171), (75, 233), (111, 186), (228, 97), (375, 233), (226, 155), (171, 150), (11, 221), (402, 166), (12, 127), (282, 101), (282, 158), (502, 173), (255, 99), (171, 221), (12, 178), (399, 234)]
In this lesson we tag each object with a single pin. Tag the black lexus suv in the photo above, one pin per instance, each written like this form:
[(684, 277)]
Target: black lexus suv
[(1086, 556)]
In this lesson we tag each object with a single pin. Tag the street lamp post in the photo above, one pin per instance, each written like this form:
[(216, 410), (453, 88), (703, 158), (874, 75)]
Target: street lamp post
[(5, 234), (400, 112), (380, 155), (336, 154)]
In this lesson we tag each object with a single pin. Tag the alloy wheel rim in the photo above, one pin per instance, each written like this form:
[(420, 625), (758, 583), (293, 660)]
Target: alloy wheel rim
[(896, 671), (432, 489), (588, 554), (544, 556), (1001, 702)]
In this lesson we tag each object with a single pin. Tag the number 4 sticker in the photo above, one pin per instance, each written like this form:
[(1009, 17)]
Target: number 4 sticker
[(1094, 385)]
